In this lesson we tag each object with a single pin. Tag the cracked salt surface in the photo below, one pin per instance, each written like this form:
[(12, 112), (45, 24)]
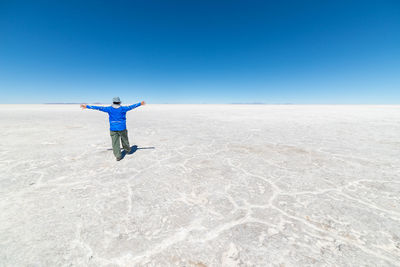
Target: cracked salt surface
[(225, 185)]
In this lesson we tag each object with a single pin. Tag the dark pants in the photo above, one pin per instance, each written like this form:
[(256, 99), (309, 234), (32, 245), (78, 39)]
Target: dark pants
[(115, 136)]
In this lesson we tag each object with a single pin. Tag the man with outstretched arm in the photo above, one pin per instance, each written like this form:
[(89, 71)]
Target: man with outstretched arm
[(117, 118)]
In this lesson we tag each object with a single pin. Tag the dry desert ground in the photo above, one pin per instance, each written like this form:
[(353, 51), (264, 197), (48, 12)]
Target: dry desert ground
[(207, 185)]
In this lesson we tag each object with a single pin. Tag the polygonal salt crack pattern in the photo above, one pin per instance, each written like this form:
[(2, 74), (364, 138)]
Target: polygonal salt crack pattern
[(219, 185)]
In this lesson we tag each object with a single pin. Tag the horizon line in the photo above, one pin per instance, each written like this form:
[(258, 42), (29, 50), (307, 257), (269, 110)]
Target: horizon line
[(244, 103)]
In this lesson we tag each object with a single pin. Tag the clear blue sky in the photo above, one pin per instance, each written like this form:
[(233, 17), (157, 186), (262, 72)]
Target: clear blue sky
[(202, 51)]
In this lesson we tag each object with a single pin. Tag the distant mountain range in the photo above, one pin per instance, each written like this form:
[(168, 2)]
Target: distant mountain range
[(251, 103), (71, 103)]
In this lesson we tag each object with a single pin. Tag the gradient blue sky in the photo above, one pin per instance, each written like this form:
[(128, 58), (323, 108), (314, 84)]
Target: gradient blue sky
[(328, 52)]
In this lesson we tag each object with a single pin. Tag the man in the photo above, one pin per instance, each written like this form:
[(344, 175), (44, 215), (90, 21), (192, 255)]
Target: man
[(117, 118)]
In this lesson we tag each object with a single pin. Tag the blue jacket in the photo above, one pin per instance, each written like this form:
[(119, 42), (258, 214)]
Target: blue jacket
[(117, 116)]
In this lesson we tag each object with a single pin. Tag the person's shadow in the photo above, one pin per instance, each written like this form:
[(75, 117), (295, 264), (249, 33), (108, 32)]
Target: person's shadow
[(134, 148)]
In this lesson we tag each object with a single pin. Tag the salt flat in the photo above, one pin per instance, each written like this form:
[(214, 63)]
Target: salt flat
[(209, 185)]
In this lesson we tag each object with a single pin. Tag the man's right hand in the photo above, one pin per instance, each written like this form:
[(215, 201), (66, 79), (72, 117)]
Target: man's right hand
[(83, 106), (142, 103)]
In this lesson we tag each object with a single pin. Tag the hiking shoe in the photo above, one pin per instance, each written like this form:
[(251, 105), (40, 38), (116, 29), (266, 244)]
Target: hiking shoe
[(118, 159), (128, 151)]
